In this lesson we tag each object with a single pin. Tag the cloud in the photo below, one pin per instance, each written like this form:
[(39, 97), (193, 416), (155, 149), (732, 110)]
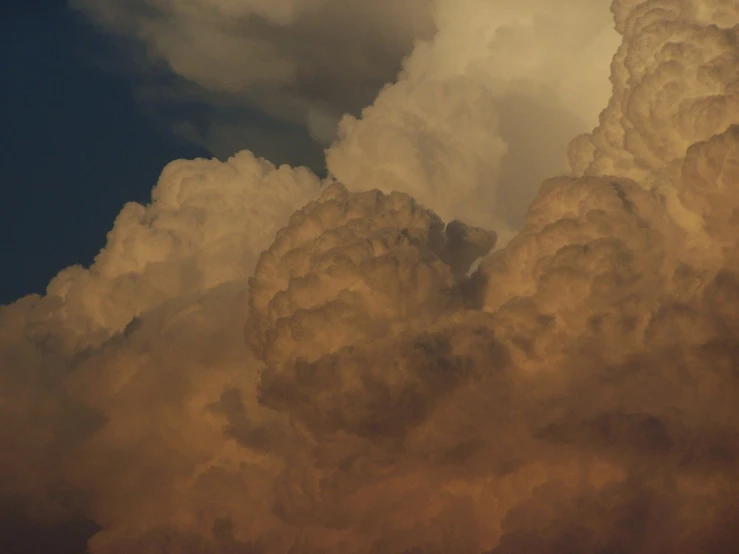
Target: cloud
[(206, 225), (300, 62), (678, 89), (259, 362), (380, 256), (483, 111)]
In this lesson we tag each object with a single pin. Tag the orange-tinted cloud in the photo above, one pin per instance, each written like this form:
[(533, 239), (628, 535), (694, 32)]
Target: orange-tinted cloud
[(350, 378)]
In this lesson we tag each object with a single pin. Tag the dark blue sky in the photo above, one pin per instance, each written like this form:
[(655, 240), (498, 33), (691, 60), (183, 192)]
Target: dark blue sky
[(75, 145)]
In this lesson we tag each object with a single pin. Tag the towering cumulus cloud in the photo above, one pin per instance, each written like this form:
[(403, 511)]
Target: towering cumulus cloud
[(484, 110), (202, 233), (260, 362)]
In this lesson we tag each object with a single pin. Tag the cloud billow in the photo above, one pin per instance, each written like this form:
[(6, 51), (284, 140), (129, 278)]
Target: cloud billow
[(263, 362)]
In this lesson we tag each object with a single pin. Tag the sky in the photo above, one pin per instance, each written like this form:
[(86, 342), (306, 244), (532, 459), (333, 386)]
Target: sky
[(351, 277), (76, 145)]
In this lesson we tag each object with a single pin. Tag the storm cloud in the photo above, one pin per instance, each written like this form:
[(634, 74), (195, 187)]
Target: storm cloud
[(261, 361)]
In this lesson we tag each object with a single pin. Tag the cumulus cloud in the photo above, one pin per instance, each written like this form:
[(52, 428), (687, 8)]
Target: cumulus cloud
[(261, 363), (674, 83), (206, 225), (338, 256), (483, 111)]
